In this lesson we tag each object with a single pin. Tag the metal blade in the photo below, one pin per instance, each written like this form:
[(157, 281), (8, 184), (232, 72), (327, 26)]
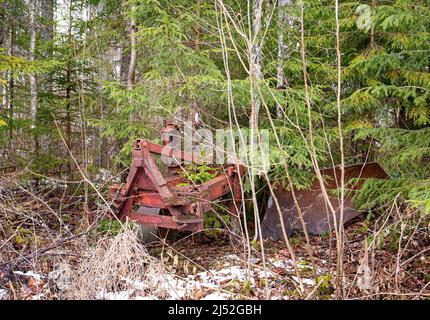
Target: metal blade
[(313, 206)]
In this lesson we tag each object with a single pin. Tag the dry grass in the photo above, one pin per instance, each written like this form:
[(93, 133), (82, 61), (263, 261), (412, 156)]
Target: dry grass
[(115, 264)]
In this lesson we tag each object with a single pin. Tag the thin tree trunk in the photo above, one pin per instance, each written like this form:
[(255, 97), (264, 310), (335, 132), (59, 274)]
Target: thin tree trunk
[(68, 119), (197, 27), (340, 269), (47, 12), (131, 78), (68, 97), (125, 64), (2, 27), (11, 92), (255, 67), (47, 35), (284, 22), (372, 29), (125, 54), (33, 78), (195, 115), (255, 75)]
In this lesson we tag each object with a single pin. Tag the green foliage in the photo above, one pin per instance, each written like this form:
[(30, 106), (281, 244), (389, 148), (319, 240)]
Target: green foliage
[(215, 221), (109, 227), (325, 288), (405, 155), (199, 174)]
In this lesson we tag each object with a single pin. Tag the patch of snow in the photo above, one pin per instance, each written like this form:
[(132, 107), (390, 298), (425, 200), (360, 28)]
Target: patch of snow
[(39, 296), (268, 274), (177, 288), (287, 264), (306, 281), (120, 295), (279, 298), (138, 285), (222, 276), (232, 257), (3, 294), (254, 260), (30, 273), (61, 275)]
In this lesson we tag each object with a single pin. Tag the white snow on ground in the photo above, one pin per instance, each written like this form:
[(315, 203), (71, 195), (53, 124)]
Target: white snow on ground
[(172, 287), (39, 296), (308, 282), (61, 276), (206, 285), (3, 294), (31, 274), (120, 295), (287, 264), (213, 280)]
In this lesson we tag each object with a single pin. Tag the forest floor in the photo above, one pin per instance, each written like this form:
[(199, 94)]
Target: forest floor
[(52, 248)]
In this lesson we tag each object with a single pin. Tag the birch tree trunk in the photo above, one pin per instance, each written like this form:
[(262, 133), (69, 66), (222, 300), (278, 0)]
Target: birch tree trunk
[(32, 55), (255, 75), (255, 63)]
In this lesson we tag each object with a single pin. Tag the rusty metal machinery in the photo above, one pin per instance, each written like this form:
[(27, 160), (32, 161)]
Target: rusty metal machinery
[(313, 206), (147, 191), (169, 201)]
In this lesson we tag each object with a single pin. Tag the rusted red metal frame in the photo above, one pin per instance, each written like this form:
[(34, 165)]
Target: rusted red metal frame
[(146, 186)]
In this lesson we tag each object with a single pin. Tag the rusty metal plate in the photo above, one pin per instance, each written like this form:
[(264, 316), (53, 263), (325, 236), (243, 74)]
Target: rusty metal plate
[(312, 204)]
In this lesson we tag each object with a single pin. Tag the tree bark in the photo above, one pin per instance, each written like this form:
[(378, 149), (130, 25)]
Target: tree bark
[(255, 67), (69, 96), (283, 22), (47, 12), (11, 90), (197, 28), (372, 29), (255, 75), (131, 78), (125, 63), (32, 56), (2, 25), (195, 110)]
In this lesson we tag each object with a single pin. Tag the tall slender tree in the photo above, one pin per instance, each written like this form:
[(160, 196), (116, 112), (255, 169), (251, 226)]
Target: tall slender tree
[(32, 11)]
